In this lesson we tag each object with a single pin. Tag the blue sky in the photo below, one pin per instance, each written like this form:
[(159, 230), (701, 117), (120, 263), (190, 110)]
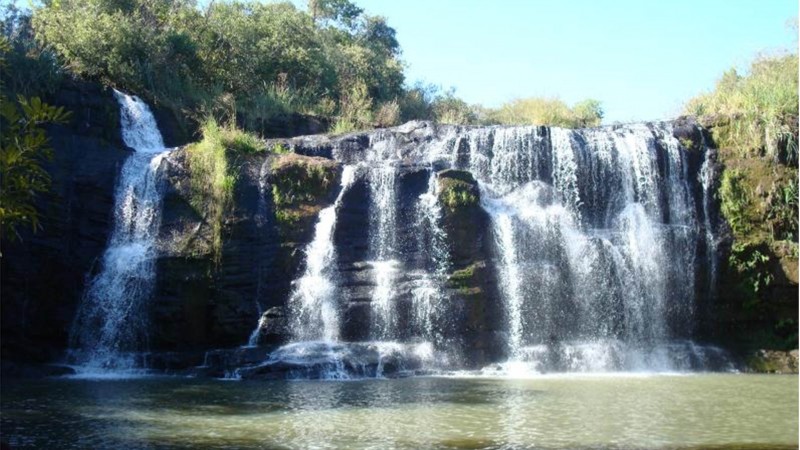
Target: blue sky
[(641, 58)]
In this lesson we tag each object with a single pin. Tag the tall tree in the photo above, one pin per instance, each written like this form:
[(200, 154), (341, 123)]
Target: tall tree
[(343, 12)]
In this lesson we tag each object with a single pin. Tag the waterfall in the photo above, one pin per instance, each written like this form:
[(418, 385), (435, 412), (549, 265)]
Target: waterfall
[(382, 241), (595, 236), (591, 249), (111, 324), (314, 312), (427, 297)]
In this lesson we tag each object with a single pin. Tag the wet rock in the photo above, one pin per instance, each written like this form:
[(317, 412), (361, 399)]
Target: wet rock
[(201, 302), (273, 327), (44, 273), (334, 360), (773, 361), (457, 189), (224, 362), (10, 369), (300, 187)]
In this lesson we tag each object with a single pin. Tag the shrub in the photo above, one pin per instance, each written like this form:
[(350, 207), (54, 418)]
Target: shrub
[(547, 111), (23, 148), (241, 60), (735, 202), (387, 114), (213, 178), (760, 108), (452, 110)]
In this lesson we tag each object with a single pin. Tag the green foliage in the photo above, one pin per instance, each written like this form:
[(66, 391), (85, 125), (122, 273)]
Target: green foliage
[(212, 173), (754, 123), (752, 264), (36, 70), (461, 278), (464, 280), (287, 218), (415, 104), (455, 193), (587, 113), (296, 181), (241, 60), (280, 149), (355, 110), (760, 108), (343, 12), (548, 111), (454, 198), (452, 110), (735, 202), (23, 148), (387, 114), (783, 211)]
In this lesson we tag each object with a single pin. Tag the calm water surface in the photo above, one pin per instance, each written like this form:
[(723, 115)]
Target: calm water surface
[(663, 411)]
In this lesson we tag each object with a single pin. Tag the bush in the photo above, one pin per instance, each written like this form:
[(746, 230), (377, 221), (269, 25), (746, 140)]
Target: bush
[(387, 114), (452, 110), (36, 70), (547, 111), (760, 108), (212, 175), (23, 149), (241, 59)]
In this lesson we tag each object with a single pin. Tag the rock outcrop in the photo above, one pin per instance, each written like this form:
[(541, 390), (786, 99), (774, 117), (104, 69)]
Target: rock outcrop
[(204, 300), (201, 302), (44, 273)]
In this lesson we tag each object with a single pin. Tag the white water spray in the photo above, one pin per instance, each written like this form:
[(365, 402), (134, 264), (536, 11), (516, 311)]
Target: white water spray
[(110, 328), (314, 313)]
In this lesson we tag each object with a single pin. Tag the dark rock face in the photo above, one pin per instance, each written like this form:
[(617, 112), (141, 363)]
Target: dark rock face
[(44, 273), (289, 125), (201, 304), (473, 281), (273, 327)]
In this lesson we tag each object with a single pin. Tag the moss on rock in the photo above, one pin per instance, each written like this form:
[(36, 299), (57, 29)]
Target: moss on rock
[(300, 185), (772, 361), (468, 281), (458, 189)]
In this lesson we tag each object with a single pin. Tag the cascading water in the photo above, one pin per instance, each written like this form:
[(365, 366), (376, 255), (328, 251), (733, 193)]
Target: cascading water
[(110, 327), (314, 312), (596, 233), (594, 236), (383, 226), (427, 295)]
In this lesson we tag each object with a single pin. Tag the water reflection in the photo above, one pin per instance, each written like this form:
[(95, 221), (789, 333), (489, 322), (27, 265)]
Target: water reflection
[(551, 412)]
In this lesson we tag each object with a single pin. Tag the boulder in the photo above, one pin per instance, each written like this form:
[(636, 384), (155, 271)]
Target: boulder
[(273, 327), (773, 361)]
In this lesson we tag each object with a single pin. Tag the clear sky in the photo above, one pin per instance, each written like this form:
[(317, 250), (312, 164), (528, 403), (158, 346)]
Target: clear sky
[(641, 58)]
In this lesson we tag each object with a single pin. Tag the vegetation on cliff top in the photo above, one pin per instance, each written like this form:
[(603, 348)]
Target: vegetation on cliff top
[(753, 118), (248, 62), (299, 183)]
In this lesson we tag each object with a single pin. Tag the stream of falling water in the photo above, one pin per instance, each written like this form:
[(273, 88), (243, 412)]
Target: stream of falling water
[(595, 234), (111, 326), (593, 245), (314, 312), (427, 295)]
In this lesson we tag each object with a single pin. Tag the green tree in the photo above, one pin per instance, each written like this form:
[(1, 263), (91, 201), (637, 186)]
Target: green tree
[(23, 148), (343, 12), (587, 113)]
